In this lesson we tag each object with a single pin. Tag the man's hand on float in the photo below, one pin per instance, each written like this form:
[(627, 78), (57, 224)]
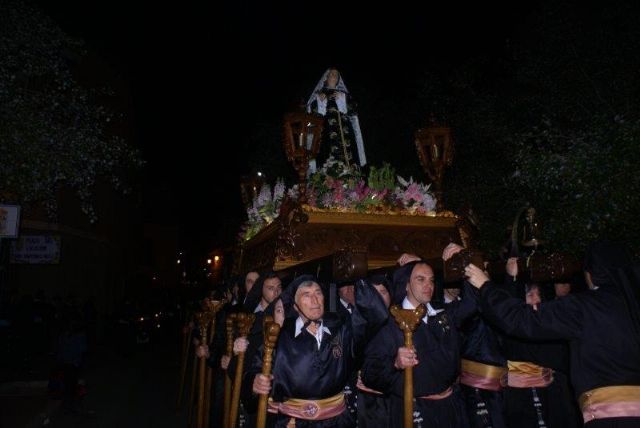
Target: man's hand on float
[(450, 250), (512, 267), (407, 258), (476, 276)]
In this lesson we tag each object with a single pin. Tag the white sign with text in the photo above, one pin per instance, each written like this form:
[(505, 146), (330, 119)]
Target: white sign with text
[(36, 249)]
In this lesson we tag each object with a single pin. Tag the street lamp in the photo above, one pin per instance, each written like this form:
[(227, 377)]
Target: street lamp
[(435, 151), (301, 144)]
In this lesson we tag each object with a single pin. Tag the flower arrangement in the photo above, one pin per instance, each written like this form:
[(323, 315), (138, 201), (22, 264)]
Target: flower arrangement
[(339, 187), (265, 209)]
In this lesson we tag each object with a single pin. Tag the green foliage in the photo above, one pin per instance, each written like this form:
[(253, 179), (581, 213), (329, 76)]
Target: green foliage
[(383, 178), (585, 181), (558, 129), (53, 132)]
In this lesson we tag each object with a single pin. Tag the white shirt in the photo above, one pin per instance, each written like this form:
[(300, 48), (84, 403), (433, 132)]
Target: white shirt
[(406, 304), (321, 329), (346, 305), (448, 299)]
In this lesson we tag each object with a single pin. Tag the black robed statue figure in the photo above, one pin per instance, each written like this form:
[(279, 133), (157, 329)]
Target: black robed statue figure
[(331, 99)]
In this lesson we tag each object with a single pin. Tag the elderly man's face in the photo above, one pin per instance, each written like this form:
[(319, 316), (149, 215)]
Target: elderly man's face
[(310, 301), (421, 284)]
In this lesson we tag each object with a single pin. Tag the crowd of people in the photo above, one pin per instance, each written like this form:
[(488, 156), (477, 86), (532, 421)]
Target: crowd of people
[(483, 354)]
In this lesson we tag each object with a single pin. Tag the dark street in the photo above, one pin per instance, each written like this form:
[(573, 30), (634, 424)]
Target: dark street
[(135, 391)]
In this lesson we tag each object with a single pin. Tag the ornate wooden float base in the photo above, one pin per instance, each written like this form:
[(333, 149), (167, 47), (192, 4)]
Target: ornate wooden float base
[(300, 236)]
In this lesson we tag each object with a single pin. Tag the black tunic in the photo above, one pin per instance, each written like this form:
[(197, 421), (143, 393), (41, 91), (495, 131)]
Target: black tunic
[(595, 324), (437, 344), (481, 343), (304, 371)]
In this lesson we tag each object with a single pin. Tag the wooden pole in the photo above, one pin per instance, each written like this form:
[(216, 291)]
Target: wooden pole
[(244, 322), (270, 330), (186, 337), (227, 381), (408, 321), (214, 307), (192, 396), (204, 318)]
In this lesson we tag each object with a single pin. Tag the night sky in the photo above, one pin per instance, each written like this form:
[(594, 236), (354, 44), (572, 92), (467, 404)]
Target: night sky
[(253, 62)]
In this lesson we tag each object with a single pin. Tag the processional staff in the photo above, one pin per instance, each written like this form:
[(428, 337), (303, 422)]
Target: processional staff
[(204, 318), (244, 323), (231, 319), (186, 342), (271, 332), (214, 306), (408, 320), (194, 384)]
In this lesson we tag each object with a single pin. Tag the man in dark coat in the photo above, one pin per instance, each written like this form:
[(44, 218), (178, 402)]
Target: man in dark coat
[(373, 406), (435, 357), (315, 356), (602, 326)]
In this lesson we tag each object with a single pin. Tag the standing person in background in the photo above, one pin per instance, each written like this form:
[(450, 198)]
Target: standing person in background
[(249, 279)]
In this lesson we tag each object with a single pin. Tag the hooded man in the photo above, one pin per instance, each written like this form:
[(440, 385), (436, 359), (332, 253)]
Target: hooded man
[(435, 357), (315, 355), (602, 326)]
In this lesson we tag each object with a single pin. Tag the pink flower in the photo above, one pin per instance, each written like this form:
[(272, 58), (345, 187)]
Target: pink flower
[(413, 192)]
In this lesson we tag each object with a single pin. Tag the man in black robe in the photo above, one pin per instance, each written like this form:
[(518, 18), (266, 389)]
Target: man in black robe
[(483, 373), (602, 326), (538, 393), (264, 292), (373, 406), (315, 356), (435, 357)]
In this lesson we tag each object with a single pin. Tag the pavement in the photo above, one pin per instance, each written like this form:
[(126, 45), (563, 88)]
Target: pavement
[(24, 398), (137, 390)]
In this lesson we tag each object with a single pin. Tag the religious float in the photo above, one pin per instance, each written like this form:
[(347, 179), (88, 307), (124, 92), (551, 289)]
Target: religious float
[(337, 220)]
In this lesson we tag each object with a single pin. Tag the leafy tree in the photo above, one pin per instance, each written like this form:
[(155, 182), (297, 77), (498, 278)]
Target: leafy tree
[(555, 124), (53, 131)]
